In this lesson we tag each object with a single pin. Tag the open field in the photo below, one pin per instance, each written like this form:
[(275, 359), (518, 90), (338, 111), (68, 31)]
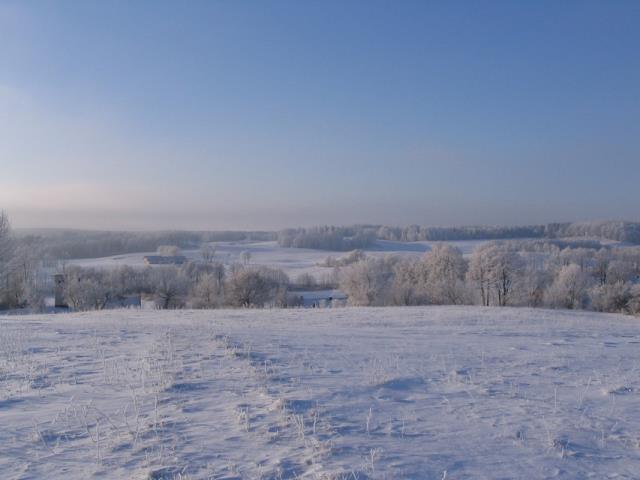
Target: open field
[(430, 393), (293, 261), (296, 261)]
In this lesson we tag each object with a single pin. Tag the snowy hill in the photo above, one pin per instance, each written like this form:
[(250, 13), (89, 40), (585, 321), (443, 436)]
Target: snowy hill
[(428, 393)]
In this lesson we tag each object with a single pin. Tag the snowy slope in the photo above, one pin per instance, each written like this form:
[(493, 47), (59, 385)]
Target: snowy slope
[(429, 393)]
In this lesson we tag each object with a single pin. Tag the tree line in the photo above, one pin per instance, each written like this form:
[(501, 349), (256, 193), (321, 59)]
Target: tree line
[(533, 274), (192, 285), (327, 238), (72, 244), (556, 273), (363, 236), (610, 230)]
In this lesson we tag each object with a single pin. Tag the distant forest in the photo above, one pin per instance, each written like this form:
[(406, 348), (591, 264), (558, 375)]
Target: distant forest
[(70, 244), (362, 236)]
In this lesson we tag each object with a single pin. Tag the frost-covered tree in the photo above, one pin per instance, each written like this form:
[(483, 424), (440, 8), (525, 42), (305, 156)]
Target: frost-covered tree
[(249, 287), (610, 297), (125, 280), (35, 296), (218, 271), (631, 256), (494, 270), (532, 285), (583, 257), (601, 269), (6, 254), (169, 287), (23, 273), (85, 289), (445, 268), (207, 292), (506, 268), (409, 283), (479, 274), (634, 300), (368, 282), (306, 280), (619, 270), (569, 289)]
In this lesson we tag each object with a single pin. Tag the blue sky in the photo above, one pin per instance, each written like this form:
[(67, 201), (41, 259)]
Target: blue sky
[(267, 114)]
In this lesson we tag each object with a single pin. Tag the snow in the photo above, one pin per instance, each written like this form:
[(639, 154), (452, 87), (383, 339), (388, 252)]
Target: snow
[(390, 393), (293, 261)]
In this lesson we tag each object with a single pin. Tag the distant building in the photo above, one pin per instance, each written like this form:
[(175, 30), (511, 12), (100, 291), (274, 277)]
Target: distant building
[(164, 260)]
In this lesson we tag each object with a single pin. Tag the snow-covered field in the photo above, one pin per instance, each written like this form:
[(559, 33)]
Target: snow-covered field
[(293, 261), (420, 393)]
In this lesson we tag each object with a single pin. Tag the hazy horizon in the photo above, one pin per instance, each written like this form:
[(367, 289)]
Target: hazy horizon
[(247, 116)]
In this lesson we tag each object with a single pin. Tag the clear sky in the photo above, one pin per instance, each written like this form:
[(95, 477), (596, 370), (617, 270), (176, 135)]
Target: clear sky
[(265, 114)]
